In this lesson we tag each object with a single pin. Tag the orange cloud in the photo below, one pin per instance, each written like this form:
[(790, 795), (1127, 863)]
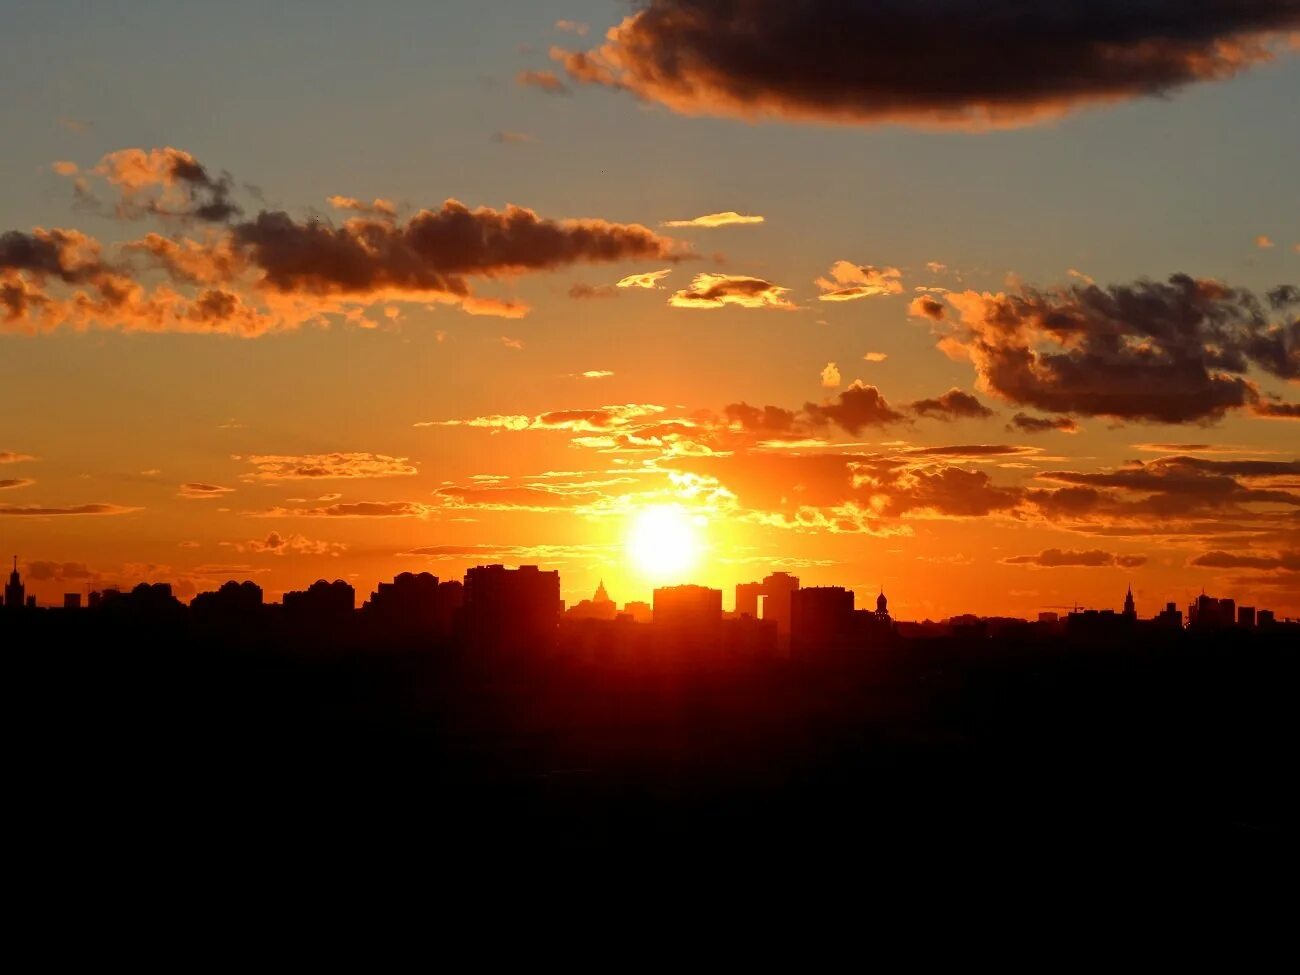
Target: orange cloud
[(43, 511), (275, 272), (336, 466), (927, 307), (710, 290), (378, 206), (198, 491), (725, 219), (646, 279), (546, 81), (849, 282)]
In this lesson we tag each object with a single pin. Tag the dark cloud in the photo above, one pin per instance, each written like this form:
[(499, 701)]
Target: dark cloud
[(855, 408), (1169, 352), (15, 482), (1025, 423), (1277, 411), (968, 63), (434, 248), (952, 405), (1094, 558), (1286, 561), (42, 571)]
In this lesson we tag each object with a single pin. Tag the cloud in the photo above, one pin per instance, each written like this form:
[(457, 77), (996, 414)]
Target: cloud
[(276, 543), (197, 491), (165, 182), (955, 63), (952, 405), (509, 553), (596, 374), (41, 511), (346, 465), (546, 81), (573, 27), (927, 307), (1172, 352), (1054, 558), (1277, 411), (855, 408), (725, 219), (972, 450), (646, 279), (376, 207), (12, 457), (15, 482), (1287, 561), (1263, 242), (849, 282), (596, 420), (512, 138), (273, 271), (831, 376), (509, 343), (710, 290), (354, 509), (875, 357), (1025, 423), (582, 291), (43, 571)]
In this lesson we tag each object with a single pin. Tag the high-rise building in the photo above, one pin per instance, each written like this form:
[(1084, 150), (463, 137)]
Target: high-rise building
[(72, 600), (1246, 617), (1130, 610), (15, 597), (512, 609), (821, 619), (687, 607)]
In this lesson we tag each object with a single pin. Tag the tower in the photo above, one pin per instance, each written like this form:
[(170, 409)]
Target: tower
[(1130, 611), (14, 591), (882, 605), (601, 595)]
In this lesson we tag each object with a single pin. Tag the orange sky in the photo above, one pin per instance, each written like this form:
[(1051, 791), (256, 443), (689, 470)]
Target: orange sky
[(845, 336)]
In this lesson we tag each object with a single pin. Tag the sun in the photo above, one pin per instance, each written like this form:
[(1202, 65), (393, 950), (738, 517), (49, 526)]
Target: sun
[(663, 541)]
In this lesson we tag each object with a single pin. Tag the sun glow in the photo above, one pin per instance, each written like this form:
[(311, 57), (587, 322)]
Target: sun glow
[(664, 543)]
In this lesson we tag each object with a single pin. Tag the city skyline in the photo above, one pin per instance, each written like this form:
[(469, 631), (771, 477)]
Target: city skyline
[(320, 299), (768, 600)]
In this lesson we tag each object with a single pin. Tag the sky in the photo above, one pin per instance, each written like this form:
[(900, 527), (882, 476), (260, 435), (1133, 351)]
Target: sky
[(993, 305)]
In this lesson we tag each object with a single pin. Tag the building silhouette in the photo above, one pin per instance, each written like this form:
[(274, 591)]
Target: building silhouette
[(775, 592), (598, 607), (511, 609), (821, 619), (15, 591), (322, 599), (1130, 609)]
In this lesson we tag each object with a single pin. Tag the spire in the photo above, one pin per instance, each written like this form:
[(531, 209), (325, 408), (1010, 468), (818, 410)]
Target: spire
[(601, 595)]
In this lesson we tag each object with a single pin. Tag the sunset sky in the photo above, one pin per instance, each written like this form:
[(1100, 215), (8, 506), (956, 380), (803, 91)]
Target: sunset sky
[(995, 305)]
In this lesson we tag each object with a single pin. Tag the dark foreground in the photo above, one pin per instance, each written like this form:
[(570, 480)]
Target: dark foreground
[(153, 751)]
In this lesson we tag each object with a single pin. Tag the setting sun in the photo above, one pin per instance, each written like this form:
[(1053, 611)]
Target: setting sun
[(664, 541)]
